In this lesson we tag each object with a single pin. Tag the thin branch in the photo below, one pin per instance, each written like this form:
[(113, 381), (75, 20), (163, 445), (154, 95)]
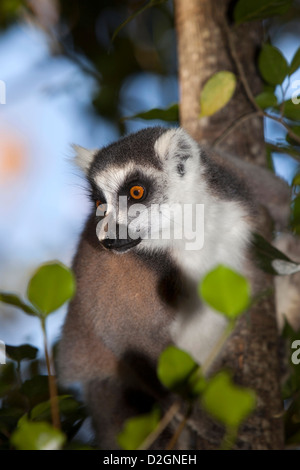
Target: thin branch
[(74, 57), (247, 88), (285, 125), (52, 383), (229, 439), (233, 126), (179, 430), (275, 148), (240, 68), (130, 18), (165, 421), (284, 92), (282, 103), (217, 348)]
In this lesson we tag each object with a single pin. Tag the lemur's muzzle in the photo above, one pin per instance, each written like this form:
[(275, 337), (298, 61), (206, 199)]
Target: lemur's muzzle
[(119, 245), (117, 239)]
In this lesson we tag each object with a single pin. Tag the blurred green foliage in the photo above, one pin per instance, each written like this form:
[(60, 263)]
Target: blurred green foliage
[(10, 11), (26, 393), (145, 45)]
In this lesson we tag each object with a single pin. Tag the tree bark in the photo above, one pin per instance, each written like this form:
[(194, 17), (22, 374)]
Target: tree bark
[(205, 46), (204, 49)]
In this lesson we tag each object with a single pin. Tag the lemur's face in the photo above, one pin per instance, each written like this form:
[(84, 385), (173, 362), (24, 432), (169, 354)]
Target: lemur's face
[(124, 198), (138, 184)]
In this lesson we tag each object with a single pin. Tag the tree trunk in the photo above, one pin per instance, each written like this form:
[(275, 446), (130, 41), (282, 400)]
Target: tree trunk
[(205, 46), (204, 49)]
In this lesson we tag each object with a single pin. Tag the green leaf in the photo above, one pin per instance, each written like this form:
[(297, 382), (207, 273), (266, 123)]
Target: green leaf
[(291, 140), (50, 287), (272, 65), (78, 446), (295, 215), (178, 371), (36, 388), (9, 417), (19, 353), (269, 158), (296, 180), (269, 88), (291, 110), (42, 411), (246, 10), (217, 91), (137, 429), (265, 254), (7, 378), (226, 291), (15, 301), (11, 7), (151, 3), (292, 416), (293, 440), (266, 99), (37, 436), (174, 367), (227, 402), (295, 64), (265, 251), (72, 414), (289, 332), (168, 114)]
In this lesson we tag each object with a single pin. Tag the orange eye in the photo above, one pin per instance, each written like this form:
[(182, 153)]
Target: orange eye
[(137, 192), (98, 203)]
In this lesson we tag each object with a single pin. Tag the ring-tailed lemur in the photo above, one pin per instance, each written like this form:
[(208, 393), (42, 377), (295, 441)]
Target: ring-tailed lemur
[(138, 293)]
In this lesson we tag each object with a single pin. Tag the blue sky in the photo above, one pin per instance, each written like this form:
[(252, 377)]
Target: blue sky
[(43, 206)]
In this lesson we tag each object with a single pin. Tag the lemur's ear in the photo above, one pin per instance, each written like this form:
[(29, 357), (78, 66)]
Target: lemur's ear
[(177, 149), (84, 157)]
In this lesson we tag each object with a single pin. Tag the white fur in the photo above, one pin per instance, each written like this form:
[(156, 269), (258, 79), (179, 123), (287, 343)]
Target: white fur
[(199, 333), (167, 144), (111, 180), (84, 157), (226, 235), (285, 268), (226, 229), (162, 145)]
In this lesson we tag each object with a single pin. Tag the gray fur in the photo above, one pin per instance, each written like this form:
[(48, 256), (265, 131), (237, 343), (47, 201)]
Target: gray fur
[(139, 147), (128, 307)]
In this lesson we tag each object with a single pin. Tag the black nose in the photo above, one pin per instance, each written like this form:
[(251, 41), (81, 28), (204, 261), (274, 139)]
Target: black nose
[(119, 245), (109, 243), (120, 241)]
